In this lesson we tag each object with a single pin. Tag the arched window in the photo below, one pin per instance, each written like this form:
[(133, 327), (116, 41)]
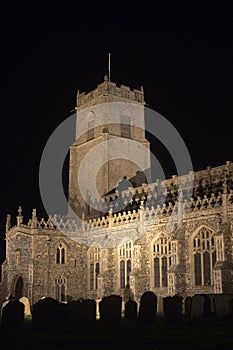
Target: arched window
[(125, 127), (91, 276), (97, 271), (60, 254), (204, 257), (122, 274), (90, 130), (125, 254), (61, 289), (94, 267), (164, 254), (90, 125)]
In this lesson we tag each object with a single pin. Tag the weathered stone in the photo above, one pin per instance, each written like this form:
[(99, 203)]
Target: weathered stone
[(26, 303)]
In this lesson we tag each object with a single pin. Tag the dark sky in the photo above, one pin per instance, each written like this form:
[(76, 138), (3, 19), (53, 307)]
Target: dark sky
[(181, 56)]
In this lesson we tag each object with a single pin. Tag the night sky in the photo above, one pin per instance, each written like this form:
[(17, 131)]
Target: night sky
[(181, 56)]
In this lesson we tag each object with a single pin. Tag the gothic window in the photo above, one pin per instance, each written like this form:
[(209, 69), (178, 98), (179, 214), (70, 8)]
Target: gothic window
[(61, 289), (125, 127), (204, 257), (97, 271), (125, 254), (164, 255), (90, 130), (122, 274), (60, 254), (91, 276), (94, 267)]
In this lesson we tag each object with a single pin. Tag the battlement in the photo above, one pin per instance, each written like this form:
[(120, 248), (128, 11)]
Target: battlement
[(147, 202), (108, 88), (146, 214)]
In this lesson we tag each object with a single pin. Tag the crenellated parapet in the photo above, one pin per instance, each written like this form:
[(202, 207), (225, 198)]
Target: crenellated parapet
[(145, 203), (107, 88)]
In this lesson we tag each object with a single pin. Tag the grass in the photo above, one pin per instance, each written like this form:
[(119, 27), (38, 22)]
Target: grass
[(206, 334)]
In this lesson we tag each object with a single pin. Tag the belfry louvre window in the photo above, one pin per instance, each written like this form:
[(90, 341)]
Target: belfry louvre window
[(60, 254), (164, 255), (90, 130), (204, 250), (125, 130)]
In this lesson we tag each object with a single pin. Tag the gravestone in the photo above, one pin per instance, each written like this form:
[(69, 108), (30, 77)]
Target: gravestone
[(148, 307), (12, 316), (197, 307), (88, 311), (73, 312), (45, 313), (187, 306), (62, 314), (207, 306), (172, 307), (26, 303), (221, 306), (131, 310), (110, 308), (230, 307), (82, 312)]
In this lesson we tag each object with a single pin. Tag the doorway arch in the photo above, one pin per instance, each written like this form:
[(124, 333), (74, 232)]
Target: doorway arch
[(18, 288)]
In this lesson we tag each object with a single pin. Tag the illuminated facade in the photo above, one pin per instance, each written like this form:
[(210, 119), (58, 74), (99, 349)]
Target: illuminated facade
[(195, 257)]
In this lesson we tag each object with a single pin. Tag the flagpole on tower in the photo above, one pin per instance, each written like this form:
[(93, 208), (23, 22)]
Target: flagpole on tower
[(109, 67)]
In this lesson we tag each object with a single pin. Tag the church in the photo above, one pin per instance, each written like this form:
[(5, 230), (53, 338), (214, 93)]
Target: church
[(123, 234)]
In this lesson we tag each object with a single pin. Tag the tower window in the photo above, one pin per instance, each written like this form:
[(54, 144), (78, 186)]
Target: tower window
[(90, 130), (125, 128)]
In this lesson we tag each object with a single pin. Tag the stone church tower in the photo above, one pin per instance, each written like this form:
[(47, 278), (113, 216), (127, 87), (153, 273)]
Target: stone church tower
[(104, 115)]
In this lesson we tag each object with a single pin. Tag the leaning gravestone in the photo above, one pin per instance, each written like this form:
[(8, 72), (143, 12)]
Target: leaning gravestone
[(148, 307), (172, 307), (110, 308), (131, 310), (12, 316), (197, 307), (26, 303), (45, 313)]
